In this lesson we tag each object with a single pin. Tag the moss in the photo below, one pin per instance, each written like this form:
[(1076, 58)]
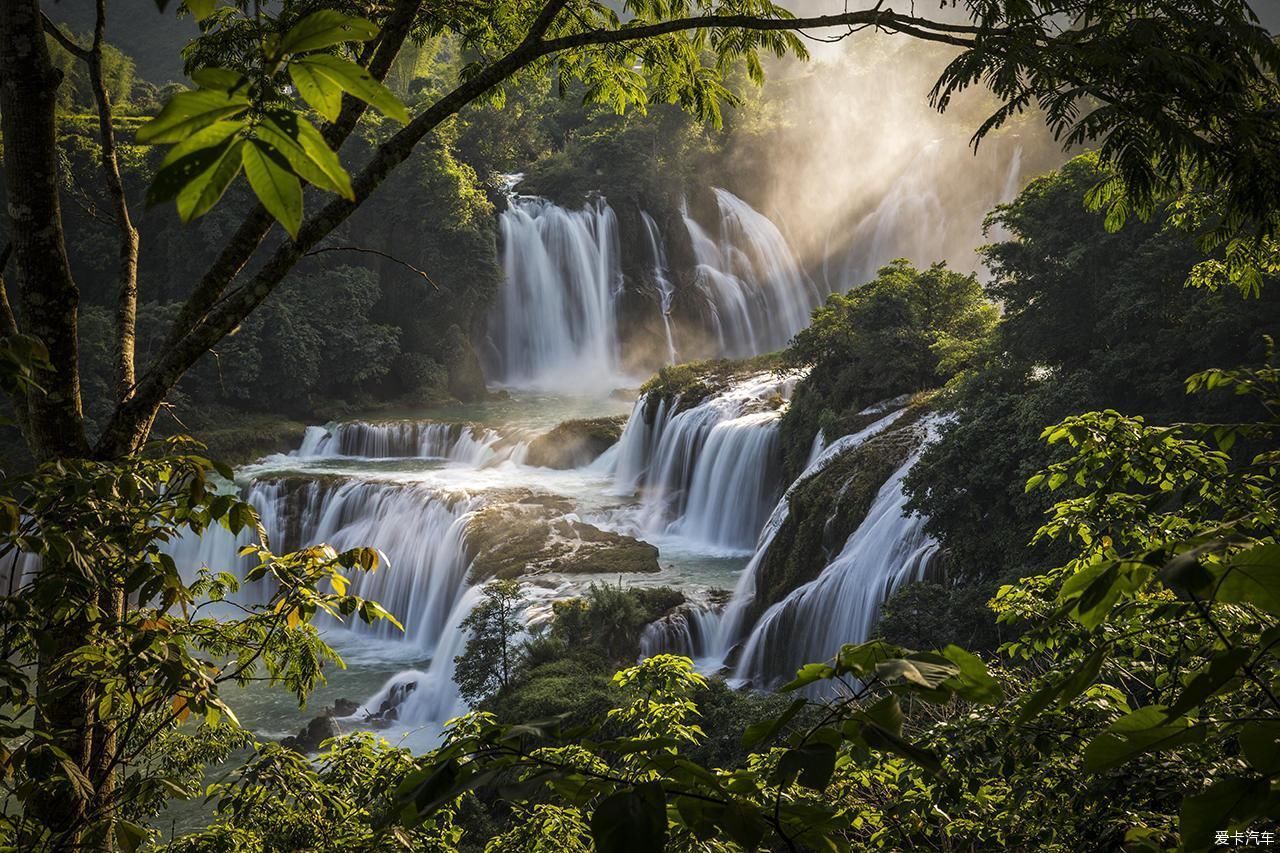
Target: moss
[(826, 508), (573, 444), (694, 381), (531, 534)]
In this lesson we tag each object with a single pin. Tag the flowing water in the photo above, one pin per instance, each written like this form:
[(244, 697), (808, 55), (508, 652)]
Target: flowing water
[(758, 293), (699, 478), (555, 325)]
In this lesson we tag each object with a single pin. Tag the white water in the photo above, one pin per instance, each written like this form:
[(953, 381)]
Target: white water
[(406, 439), (730, 627), (661, 278), (912, 220), (758, 293), (419, 697), (419, 530), (710, 473), (689, 631), (888, 549), (555, 325)]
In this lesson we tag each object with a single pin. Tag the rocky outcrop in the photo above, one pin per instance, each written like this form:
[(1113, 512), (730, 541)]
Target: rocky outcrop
[(573, 444), (828, 506), (528, 534)]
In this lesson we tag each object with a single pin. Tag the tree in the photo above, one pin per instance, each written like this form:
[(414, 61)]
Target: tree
[(905, 331), (1192, 115), (492, 652)]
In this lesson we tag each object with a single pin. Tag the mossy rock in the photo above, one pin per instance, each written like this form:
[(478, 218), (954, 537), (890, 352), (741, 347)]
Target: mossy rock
[(573, 444), (695, 381), (827, 507), (537, 534)]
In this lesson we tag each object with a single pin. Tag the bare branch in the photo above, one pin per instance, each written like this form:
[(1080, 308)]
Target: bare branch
[(391, 258)]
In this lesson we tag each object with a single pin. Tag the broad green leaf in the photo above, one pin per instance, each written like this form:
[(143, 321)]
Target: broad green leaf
[(326, 28), (352, 79), (973, 681), (1210, 679), (302, 145), (276, 187), (1227, 804), (808, 674), (743, 824), (324, 97), (203, 190), (885, 740), (760, 732), (188, 112), (1251, 577), (887, 714), (811, 765), (1260, 743), (130, 836), (633, 820), (1143, 730), (221, 79), (917, 670), (211, 137), (200, 9), (176, 174)]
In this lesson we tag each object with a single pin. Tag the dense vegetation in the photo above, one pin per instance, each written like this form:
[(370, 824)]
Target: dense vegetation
[(1135, 702)]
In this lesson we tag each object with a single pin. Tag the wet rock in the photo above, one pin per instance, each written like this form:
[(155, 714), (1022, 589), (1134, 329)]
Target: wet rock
[(342, 708), (573, 444), (530, 533), (316, 732)]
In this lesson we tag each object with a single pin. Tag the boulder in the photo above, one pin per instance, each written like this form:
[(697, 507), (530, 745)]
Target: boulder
[(573, 444)]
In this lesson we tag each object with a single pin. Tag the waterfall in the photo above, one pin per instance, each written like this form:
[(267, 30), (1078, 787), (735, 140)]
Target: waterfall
[(758, 294), (889, 548), (555, 323), (453, 442), (662, 278), (689, 631), (709, 473), (422, 533), (730, 626), (415, 696)]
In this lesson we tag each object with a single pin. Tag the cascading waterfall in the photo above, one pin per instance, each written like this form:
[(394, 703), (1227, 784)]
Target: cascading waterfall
[(661, 278), (689, 631), (422, 533), (889, 548), (729, 627), (415, 696), (453, 442), (555, 323), (709, 473), (759, 295)]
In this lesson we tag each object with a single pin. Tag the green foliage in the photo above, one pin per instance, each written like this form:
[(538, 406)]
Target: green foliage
[(1091, 320), (242, 117), (639, 787), (907, 330), (281, 800), (1175, 587), (492, 652), (86, 537), (1208, 73)]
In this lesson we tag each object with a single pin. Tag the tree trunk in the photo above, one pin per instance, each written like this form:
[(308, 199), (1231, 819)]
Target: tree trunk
[(49, 297)]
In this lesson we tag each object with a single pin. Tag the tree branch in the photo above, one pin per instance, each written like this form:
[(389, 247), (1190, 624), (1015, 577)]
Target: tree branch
[(254, 227), (389, 257)]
